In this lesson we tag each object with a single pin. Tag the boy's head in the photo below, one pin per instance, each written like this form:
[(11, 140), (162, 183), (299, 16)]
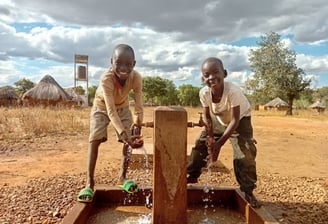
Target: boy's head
[(123, 61), (213, 72)]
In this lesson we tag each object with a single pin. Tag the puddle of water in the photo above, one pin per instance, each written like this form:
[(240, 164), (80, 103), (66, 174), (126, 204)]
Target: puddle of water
[(143, 215)]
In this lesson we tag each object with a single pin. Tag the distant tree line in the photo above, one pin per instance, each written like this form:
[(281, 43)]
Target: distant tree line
[(156, 91), (159, 91), (275, 74)]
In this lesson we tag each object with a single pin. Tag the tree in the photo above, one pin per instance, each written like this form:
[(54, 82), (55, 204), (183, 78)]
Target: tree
[(275, 72), (153, 89), (321, 94), (79, 90), (23, 85), (305, 99), (170, 98), (189, 95), (91, 94)]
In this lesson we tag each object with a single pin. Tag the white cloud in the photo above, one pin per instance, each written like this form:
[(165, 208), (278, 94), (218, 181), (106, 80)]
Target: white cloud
[(312, 64), (287, 43), (8, 68), (170, 38), (199, 20)]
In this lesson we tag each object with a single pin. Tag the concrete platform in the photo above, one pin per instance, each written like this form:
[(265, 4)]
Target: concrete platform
[(231, 198)]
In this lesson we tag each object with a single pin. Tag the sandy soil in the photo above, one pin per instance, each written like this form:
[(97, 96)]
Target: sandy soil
[(287, 147)]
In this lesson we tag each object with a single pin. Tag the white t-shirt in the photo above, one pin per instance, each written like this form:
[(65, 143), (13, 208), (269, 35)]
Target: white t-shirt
[(222, 112)]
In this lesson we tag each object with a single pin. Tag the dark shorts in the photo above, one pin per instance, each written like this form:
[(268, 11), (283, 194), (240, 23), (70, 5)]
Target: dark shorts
[(244, 154)]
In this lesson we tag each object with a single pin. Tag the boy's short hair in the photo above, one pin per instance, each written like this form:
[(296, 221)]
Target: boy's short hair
[(123, 47), (214, 59)]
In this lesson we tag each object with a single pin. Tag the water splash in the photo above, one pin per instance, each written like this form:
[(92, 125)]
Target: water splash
[(146, 166), (149, 203), (145, 219), (146, 160), (207, 199), (207, 221)]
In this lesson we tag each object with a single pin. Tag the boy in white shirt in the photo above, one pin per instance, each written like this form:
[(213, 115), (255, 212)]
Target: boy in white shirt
[(227, 116)]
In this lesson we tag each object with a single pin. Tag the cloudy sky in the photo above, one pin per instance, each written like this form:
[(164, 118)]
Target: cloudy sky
[(171, 38)]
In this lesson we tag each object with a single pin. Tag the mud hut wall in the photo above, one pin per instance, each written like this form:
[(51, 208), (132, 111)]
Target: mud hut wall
[(319, 110), (9, 102), (276, 108)]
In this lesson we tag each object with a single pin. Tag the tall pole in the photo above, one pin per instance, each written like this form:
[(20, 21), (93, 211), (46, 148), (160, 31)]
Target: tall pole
[(84, 60)]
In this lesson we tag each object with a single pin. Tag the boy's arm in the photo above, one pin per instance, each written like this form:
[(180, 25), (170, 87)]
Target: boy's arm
[(108, 90), (214, 147), (138, 106), (208, 121), (210, 134), (231, 126)]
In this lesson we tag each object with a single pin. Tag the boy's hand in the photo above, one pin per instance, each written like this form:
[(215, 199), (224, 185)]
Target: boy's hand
[(213, 149), (210, 142), (135, 129), (216, 150), (136, 141)]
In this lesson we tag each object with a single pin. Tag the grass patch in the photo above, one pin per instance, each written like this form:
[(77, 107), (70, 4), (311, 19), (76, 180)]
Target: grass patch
[(26, 122), (29, 122), (300, 114)]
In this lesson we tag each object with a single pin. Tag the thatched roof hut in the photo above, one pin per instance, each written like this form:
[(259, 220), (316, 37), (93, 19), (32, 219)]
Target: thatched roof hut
[(319, 107), (46, 92), (78, 99), (8, 96), (277, 104)]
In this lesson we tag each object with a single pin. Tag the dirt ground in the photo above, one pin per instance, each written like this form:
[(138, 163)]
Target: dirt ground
[(287, 147)]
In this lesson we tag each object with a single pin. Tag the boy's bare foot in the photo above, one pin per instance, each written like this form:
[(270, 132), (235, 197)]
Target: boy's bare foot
[(192, 180), (251, 199), (121, 180), (85, 195)]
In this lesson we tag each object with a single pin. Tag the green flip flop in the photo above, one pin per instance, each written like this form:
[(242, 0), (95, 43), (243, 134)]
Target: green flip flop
[(85, 195), (129, 186)]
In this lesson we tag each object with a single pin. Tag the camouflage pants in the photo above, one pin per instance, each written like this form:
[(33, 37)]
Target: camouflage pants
[(244, 154)]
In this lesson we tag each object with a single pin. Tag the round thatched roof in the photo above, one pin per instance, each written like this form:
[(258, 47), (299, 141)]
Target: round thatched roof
[(74, 96), (47, 89), (276, 102), (317, 105), (8, 92)]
